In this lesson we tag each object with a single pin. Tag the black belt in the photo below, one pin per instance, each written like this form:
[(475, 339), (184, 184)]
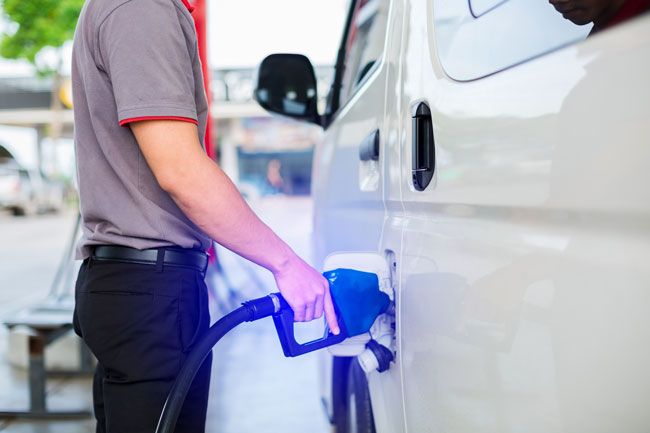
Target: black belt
[(165, 256)]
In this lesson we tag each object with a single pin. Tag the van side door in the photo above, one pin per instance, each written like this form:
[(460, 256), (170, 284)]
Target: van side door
[(524, 276)]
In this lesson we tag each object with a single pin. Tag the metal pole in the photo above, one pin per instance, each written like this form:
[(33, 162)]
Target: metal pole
[(37, 373)]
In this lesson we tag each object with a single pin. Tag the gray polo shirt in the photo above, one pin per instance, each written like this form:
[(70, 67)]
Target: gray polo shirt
[(132, 60)]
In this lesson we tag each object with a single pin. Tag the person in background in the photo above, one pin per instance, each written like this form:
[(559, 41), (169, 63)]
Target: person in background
[(274, 176), (602, 13)]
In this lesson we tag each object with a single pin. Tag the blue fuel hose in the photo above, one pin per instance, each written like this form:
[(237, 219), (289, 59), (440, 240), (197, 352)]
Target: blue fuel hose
[(249, 311)]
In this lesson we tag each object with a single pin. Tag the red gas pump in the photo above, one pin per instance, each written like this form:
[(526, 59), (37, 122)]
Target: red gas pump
[(201, 23), (200, 14)]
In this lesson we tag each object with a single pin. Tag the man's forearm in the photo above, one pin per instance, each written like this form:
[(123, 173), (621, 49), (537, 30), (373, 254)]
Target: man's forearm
[(210, 199)]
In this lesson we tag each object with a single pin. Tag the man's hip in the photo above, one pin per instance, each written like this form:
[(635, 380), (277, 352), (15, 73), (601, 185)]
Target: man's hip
[(140, 320)]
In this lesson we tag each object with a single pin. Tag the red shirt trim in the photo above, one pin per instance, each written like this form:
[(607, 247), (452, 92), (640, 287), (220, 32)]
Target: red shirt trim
[(188, 5), (138, 119)]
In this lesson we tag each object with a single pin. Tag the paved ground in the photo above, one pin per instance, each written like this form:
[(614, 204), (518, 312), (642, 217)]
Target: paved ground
[(254, 388)]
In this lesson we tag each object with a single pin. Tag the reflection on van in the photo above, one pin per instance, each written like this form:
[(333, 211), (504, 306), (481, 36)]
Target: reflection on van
[(601, 13)]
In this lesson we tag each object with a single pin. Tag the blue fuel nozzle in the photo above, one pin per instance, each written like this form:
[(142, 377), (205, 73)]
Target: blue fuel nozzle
[(358, 301)]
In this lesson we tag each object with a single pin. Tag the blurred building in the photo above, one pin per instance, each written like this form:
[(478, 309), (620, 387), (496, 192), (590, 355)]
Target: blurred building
[(252, 147)]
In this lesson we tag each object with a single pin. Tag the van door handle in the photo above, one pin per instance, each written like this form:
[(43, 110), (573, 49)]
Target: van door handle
[(423, 150), (369, 147)]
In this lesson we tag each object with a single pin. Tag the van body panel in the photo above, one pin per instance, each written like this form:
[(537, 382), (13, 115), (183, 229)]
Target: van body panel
[(524, 279)]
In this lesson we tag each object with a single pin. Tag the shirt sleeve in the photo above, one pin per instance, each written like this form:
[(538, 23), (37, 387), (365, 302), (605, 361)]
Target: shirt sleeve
[(144, 51)]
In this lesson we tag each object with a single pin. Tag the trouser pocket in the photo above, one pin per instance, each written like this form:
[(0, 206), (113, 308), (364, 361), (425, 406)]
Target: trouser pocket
[(194, 318), (128, 316)]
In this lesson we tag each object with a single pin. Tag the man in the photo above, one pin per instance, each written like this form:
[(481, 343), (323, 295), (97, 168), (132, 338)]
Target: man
[(151, 201), (603, 13)]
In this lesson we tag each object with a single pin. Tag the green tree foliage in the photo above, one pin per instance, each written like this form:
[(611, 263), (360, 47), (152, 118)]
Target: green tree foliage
[(37, 24)]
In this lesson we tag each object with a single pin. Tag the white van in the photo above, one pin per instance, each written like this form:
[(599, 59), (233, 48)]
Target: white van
[(498, 160)]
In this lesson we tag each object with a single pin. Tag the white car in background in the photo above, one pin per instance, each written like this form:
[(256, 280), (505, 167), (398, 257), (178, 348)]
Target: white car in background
[(27, 192), (499, 160)]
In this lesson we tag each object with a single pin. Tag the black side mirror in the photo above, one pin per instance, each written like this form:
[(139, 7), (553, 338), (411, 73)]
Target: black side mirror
[(286, 85)]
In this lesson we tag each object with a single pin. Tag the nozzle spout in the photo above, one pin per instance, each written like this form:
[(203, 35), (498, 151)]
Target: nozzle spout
[(390, 309)]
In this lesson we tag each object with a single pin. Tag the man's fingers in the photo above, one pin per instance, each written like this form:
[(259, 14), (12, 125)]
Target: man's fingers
[(330, 315), (309, 312), (298, 312), (318, 308)]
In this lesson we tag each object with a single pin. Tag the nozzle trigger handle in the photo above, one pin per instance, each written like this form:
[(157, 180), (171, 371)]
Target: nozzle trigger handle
[(284, 325)]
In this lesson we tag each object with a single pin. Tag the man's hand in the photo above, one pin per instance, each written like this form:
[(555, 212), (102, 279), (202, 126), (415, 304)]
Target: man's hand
[(307, 292), (209, 198)]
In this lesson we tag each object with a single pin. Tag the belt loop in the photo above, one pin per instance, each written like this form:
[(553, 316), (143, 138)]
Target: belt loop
[(90, 258), (205, 266), (160, 260)]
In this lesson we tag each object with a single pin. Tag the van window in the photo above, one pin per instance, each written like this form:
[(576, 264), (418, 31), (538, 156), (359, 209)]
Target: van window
[(5, 154), (477, 38), (480, 7), (365, 44)]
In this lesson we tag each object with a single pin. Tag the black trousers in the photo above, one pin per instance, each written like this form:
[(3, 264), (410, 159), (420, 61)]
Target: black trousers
[(140, 323)]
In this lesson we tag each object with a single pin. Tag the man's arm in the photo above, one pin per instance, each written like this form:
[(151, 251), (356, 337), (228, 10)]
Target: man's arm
[(209, 198)]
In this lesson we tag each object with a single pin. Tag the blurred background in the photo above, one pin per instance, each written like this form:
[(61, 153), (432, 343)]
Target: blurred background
[(254, 388)]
